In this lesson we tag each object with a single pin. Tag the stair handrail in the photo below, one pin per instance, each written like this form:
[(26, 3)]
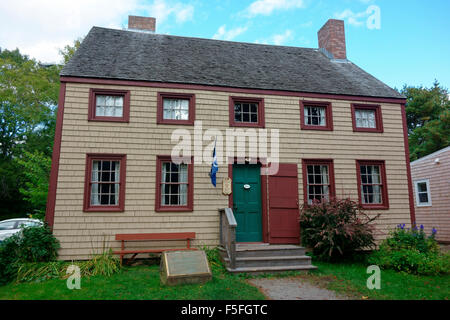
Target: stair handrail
[(228, 226)]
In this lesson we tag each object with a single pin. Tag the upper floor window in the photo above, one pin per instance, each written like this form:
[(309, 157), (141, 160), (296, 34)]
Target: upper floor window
[(318, 180), (246, 112), (109, 105), (174, 188), (367, 118), (372, 184), (175, 108), (105, 182), (316, 115), (423, 196)]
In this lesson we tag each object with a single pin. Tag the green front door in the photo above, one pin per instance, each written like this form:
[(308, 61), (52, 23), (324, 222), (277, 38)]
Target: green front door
[(247, 202)]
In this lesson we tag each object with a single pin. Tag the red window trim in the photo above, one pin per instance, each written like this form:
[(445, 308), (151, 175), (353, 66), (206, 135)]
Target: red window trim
[(384, 189), (87, 207), (190, 199), (378, 117), (328, 114), (330, 163), (261, 120), (110, 92), (170, 95)]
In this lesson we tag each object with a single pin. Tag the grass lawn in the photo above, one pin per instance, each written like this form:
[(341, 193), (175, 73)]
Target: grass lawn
[(133, 283), (350, 278), (142, 282)]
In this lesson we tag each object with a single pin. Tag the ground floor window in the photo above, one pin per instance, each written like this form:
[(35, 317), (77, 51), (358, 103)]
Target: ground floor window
[(423, 196), (318, 180), (372, 184), (105, 182), (174, 185)]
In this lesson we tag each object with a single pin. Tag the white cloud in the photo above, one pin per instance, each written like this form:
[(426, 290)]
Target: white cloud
[(223, 34), (370, 17), (40, 28), (266, 7), (162, 9), (278, 39)]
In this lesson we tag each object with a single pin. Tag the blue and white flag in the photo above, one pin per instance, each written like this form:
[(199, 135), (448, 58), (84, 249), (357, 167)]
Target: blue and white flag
[(214, 167)]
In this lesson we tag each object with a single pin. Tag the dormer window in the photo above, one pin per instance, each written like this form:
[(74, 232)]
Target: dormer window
[(109, 105)]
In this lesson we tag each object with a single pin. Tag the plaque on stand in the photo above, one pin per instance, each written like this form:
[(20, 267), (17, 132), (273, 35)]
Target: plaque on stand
[(187, 266)]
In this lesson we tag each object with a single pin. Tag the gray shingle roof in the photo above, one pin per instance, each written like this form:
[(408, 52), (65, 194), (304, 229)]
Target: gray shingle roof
[(127, 55)]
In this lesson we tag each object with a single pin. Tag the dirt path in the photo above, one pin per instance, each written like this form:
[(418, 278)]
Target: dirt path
[(293, 288)]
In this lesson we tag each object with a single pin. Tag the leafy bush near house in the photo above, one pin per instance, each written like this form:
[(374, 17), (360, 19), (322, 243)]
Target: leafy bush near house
[(336, 229), (31, 244), (411, 251), (105, 264)]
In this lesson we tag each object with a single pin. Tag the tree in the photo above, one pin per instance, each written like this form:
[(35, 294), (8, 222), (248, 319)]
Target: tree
[(68, 51), (36, 167), (28, 99), (428, 119), (28, 105)]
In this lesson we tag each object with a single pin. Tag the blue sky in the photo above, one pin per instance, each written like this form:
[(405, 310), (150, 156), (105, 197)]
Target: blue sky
[(410, 46)]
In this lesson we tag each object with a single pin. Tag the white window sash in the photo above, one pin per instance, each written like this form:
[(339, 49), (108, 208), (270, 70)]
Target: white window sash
[(416, 185)]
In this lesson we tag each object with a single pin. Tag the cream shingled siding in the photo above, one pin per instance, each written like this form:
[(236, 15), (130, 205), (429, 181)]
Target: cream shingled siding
[(83, 233)]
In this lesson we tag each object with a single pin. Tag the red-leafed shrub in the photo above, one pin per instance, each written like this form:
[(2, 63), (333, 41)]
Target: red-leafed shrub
[(336, 229)]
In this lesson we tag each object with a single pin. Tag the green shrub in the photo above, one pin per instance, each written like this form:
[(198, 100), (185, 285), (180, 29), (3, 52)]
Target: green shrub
[(31, 244), (411, 251), (105, 264), (336, 229), (8, 260)]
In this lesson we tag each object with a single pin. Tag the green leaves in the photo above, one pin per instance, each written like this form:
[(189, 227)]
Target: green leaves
[(428, 118), (336, 229), (36, 168)]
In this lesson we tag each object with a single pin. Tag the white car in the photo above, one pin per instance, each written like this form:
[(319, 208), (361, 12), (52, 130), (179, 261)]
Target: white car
[(12, 226)]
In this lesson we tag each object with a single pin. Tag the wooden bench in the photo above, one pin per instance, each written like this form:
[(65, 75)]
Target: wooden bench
[(152, 236)]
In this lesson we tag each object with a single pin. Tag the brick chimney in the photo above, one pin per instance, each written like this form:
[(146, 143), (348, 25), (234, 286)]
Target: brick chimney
[(332, 38), (145, 24)]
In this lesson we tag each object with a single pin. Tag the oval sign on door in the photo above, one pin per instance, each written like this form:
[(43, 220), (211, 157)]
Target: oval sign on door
[(246, 186)]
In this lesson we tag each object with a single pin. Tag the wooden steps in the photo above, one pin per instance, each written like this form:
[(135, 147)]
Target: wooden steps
[(265, 258)]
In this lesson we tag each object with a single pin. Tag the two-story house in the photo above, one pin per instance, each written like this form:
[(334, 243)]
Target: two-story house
[(341, 132)]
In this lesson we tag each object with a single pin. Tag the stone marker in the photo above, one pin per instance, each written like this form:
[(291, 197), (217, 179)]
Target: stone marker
[(188, 266)]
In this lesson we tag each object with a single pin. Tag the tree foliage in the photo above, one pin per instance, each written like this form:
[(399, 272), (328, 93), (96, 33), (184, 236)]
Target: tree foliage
[(36, 168), (28, 104), (428, 118), (28, 99)]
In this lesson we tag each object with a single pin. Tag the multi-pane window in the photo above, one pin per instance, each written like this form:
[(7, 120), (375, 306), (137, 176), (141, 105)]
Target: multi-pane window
[(246, 112), (372, 184), (318, 183), (108, 106), (367, 118), (174, 184), (318, 180), (105, 182), (423, 196), (175, 109), (315, 116)]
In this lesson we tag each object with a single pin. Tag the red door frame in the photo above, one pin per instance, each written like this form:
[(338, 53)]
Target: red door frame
[(265, 217)]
